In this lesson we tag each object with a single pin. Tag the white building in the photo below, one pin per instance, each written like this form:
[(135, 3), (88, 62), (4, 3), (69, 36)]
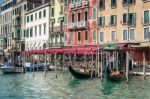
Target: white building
[(37, 27), (6, 25)]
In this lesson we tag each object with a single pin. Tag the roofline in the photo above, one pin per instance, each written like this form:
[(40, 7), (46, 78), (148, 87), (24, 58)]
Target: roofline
[(18, 3), (4, 2), (37, 8)]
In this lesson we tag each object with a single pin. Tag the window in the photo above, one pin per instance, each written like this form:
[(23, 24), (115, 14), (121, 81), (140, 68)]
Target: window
[(61, 25), (86, 15), (39, 29), (31, 32), (113, 35), (79, 36), (25, 7), (72, 36), (147, 17), (113, 3), (27, 32), (52, 1), (132, 18), (73, 18), (132, 34), (52, 27), (131, 2), (79, 1), (27, 19), (40, 14), (44, 13), (101, 21), (94, 13), (73, 1), (52, 12), (35, 16), (101, 37), (102, 4), (94, 35), (66, 2), (65, 18), (125, 35), (31, 18), (65, 36), (79, 16), (35, 30), (44, 28), (147, 33), (145, 1), (24, 33), (61, 10), (125, 18), (113, 20), (86, 35), (126, 2)]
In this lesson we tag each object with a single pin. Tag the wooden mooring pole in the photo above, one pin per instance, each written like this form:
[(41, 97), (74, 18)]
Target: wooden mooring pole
[(56, 64), (127, 66), (45, 69), (144, 68), (33, 63), (101, 65)]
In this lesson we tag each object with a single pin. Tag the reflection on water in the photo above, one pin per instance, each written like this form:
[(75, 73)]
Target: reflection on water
[(108, 87), (74, 83), (25, 86)]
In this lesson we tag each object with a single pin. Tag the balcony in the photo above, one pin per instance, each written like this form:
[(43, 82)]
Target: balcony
[(85, 3), (72, 6), (82, 24), (78, 25), (72, 26), (78, 4), (17, 24), (86, 42)]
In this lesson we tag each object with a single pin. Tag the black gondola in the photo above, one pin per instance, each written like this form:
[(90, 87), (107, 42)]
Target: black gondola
[(80, 75), (114, 78)]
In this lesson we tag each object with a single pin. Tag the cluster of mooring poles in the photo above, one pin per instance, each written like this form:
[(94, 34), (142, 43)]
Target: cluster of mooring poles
[(102, 56)]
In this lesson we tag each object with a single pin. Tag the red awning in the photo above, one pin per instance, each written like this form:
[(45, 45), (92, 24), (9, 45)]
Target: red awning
[(76, 49), (122, 44)]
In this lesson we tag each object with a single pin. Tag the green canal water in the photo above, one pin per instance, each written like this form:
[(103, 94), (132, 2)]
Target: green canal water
[(25, 86)]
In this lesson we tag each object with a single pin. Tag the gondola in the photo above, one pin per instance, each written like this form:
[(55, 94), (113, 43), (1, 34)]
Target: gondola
[(81, 75), (114, 78)]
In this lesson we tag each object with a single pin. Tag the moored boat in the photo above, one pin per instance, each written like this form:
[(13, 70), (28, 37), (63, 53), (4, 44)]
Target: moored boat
[(11, 69), (112, 76), (80, 74)]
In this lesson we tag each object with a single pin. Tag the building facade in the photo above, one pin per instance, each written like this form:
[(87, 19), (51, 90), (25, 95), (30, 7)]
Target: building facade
[(37, 27), (125, 21), (56, 24), (6, 25), (80, 23), (19, 21)]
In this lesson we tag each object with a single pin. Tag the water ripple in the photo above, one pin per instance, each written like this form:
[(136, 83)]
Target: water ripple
[(27, 86)]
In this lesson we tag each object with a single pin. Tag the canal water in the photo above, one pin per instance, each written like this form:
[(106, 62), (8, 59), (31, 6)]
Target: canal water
[(25, 86)]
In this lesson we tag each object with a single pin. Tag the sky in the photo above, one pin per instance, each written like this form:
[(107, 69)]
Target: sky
[(1, 1)]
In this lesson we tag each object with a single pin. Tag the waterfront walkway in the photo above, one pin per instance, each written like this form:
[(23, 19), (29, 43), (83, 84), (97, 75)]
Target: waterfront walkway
[(139, 70)]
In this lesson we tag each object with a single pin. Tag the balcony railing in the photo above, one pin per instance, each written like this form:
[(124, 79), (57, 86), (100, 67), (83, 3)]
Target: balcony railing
[(78, 25), (85, 3), (72, 25), (82, 24), (78, 4), (72, 6)]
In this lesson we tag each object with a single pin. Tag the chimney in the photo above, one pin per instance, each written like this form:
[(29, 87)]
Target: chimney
[(43, 1), (33, 5)]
